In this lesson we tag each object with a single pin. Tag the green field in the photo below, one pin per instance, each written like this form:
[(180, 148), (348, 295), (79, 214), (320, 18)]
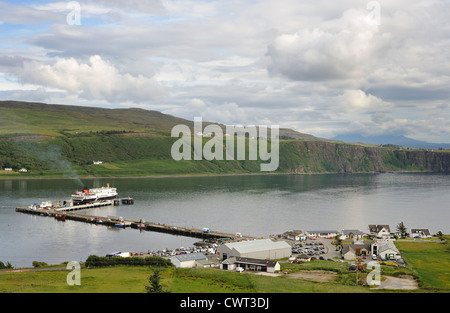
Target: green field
[(430, 261), (134, 279)]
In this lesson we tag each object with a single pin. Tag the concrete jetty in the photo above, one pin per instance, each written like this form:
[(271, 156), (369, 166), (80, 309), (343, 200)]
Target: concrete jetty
[(65, 213)]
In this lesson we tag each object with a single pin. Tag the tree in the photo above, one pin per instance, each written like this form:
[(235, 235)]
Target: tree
[(7, 266), (440, 235), (401, 228), (155, 283)]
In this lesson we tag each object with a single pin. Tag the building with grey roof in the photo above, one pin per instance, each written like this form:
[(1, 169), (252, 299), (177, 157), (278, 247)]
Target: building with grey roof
[(264, 249), (187, 259), (422, 233), (251, 264)]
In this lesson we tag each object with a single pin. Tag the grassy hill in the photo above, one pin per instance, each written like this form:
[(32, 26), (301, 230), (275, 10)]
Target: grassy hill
[(63, 141), (18, 118)]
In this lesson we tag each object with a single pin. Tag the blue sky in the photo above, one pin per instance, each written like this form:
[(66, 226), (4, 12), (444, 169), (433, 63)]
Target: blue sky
[(320, 67)]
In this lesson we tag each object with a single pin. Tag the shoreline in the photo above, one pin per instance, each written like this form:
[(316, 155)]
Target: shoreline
[(208, 175)]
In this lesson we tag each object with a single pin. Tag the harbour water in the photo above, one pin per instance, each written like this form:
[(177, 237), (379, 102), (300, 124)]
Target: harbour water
[(256, 205)]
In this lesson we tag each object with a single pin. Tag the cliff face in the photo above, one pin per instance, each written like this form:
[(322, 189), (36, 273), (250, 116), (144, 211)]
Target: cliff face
[(320, 157), (150, 155)]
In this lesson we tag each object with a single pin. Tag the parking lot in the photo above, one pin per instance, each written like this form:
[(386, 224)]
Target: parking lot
[(320, 248)]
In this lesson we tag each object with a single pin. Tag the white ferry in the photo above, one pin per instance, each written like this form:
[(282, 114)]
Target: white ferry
[(95, 194)]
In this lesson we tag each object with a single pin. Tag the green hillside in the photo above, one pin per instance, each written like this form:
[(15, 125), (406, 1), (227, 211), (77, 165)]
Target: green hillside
[(63, 141), (18, 118)]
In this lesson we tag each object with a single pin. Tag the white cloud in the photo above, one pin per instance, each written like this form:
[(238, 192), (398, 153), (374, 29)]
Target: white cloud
[(358, 101), (97, 79), (341, 49), (316, 66)]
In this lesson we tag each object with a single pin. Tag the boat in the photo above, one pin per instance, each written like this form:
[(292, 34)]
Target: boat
[(121, 223), (86, 196), (46, 205), (60, 217)]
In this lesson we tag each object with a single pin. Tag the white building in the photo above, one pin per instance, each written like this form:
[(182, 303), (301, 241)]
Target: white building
[(352, 234), (420, 233), (250, 264), (380, 231), (386, 249), (264, 249), (187, 260), (353, 251), (296, 235), (322, 233)]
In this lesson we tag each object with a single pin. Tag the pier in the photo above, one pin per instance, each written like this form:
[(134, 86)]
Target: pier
[(64, 213)]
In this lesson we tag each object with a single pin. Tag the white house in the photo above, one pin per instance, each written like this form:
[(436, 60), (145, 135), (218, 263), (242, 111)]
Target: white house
[(420, 233), (352, 234), (8, 169), (296, 235), (23, 170), (98, 162), (258, 249), (187, 260), (352, 251), (250, 264), (380, 231), (386, 249), (322, 233)]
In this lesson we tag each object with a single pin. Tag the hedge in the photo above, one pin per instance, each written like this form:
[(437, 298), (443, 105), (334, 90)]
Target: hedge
[(96, 261)]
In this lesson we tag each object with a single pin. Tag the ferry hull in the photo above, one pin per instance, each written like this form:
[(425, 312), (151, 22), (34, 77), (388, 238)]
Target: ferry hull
[(89, 201)]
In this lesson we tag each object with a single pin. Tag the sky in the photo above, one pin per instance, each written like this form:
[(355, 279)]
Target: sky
[(319, 67)]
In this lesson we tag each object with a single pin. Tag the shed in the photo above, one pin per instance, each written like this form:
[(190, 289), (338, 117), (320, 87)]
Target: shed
[(187, 260), (264, 249)]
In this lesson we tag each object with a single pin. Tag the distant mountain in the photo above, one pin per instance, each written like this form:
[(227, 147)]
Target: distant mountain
[(391, 139)]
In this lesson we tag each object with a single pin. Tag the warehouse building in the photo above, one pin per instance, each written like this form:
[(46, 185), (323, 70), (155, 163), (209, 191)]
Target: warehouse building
[(264, 249)]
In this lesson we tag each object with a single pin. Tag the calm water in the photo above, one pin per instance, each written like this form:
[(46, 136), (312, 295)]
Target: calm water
[(252, 205)]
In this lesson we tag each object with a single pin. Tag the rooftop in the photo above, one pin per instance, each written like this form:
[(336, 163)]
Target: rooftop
[(257, 245), (190, 256)]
